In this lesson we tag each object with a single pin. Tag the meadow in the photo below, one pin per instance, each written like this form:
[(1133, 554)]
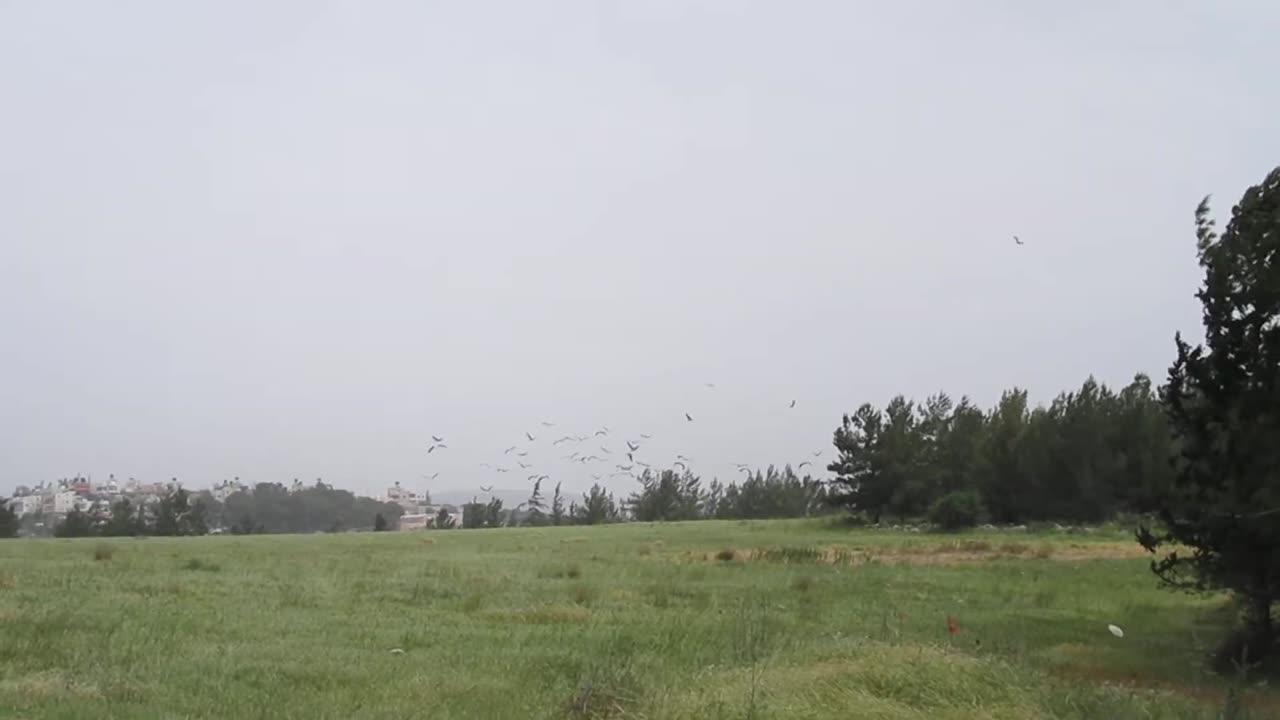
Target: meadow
[(711, 619)]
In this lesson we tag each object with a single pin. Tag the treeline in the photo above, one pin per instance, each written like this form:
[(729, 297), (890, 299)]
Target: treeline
[(272, 508), (269, 508), (174, 514), (663, 495), (1085, 457)]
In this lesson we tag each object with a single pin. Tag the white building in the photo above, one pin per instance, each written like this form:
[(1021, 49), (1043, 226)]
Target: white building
[(26, 504)]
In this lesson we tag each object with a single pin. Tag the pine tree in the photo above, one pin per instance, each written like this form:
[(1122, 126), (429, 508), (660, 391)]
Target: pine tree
[(557, 507), (1223, 401)]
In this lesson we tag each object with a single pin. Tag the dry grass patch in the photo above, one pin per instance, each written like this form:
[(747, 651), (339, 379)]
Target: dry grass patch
[(946, 553)]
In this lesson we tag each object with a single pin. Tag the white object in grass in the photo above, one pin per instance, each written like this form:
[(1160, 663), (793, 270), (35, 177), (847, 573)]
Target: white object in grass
[(1116, 631)]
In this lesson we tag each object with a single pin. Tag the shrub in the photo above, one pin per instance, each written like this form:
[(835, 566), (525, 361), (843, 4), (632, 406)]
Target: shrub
[(956, 510), (726, 555), (201, 565), (103, 551)]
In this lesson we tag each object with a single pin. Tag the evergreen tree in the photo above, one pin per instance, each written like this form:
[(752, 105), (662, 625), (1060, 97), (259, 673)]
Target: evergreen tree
[(1222, 398), (444, 521), (9, 522), (861, 485), (75, 524), (557, 507), (537, 508), (597, 507)]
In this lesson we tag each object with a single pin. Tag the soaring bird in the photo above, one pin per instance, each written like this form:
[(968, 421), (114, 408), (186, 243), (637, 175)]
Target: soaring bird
[(625, 468), (437, 438), (531, 438), (1016, 240), (631, 457), (793, 403), (688, 417), (548, 424), (437, 446), (646, 437), (510, 450), (484, 489), (521, 454), (634, 446), (503, 469), (600, 433), (524, 466), (606, 450), (806, 462), (817, 453)]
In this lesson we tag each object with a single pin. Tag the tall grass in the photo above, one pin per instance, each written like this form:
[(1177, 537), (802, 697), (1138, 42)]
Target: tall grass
[(631, 622)]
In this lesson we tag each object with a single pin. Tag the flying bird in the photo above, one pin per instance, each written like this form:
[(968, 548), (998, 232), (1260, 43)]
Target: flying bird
[(710, 385), (625, 468), (630, 457), (679, 465), (806, 462), (634, 446), (521, 454), (437, 438), (646, 437), (510, 450), (1115, 631), (548, 424), (531, 438), (486, 465), (437, 446), (606, 450), (484, 489), (432, 476), (503, 469), (817, 453), (524, 466), (688, 417), (1017, 241), (793, 403), (681, 457)]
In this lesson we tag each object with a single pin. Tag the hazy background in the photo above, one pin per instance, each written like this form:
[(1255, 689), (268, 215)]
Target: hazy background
[(281, 240)]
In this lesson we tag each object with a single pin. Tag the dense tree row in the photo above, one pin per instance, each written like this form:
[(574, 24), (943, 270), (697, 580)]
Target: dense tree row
[(271, 508), (668, 495), (174, 514), (1086, 456)]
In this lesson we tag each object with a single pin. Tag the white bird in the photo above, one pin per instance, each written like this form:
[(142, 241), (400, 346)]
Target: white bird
[(397, 651), (1116, 631)]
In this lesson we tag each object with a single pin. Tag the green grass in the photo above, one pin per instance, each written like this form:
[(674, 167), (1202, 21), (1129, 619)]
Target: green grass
[(788, 619)]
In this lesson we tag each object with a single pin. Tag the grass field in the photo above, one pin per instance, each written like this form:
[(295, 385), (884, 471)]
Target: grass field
[(782, 619)]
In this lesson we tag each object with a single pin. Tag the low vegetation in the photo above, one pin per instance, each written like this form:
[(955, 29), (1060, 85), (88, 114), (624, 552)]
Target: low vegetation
[(807, 619)]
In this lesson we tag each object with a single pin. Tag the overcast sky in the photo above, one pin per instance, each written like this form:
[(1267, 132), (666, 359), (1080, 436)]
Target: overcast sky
[(294, 239)]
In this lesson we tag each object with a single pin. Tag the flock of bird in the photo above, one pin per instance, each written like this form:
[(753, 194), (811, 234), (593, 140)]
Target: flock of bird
[(592, 450)]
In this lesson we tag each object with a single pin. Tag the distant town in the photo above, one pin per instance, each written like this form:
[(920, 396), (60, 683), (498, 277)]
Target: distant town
[(42, 507)]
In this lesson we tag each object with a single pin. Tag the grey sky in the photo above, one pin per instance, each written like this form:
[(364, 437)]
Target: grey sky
[(282, 240)]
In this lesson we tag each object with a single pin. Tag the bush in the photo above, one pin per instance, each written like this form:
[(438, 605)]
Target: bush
[(956, 510), (103, 551)]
